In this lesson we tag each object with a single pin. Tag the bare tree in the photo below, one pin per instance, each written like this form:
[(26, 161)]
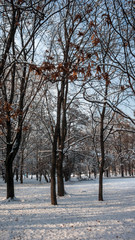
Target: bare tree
[(19, 85), (68, 49), (120, 15)]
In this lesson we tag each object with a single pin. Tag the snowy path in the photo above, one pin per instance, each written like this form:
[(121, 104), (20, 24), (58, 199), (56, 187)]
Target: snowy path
[(78, 215)]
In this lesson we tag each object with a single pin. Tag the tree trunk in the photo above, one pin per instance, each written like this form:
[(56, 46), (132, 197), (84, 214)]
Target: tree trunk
[(67, 175), (11, 153), (100, 194), (21, 168), (122, 170), (17, 168), (40, 177), (37, 176), (101, 169), (46, 179), (102, 163), (89, 171), (132, 169), (60, 182), (53, 171), (53, 185), (122, 166), (115, 170), (95, 173), (17, 173), (10, 180), (107, 173)]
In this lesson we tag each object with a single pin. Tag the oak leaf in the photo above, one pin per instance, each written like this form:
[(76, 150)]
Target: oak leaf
[(78, 17), (80, 34), (98, 69)]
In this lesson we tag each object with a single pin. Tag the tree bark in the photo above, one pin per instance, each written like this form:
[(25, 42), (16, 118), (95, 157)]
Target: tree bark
[(122, 170), (12, 150), (53, 182), (62, 136), (100, 194), (21, 168), (60, 182), (53, 170), (10, 180), (101, 169)]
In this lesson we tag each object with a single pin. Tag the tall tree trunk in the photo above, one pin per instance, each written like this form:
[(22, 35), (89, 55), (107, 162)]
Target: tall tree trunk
[(60, 182), (17, 168), (10, 180), (100, 194), (53, 170), (9, 164), (101, 168), (53, 182), (62, 136), (21, 168), (12, 150)]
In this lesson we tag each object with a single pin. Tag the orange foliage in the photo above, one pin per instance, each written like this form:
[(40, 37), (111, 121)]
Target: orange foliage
[(78, 17)]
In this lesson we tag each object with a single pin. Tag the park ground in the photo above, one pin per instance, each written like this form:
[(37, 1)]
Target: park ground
[(78, 216)]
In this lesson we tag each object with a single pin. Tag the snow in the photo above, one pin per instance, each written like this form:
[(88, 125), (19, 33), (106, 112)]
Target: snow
[(78, 215)]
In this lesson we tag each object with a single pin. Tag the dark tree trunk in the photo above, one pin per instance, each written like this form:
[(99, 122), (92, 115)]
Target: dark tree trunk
[(121, 161), (53, 189), (17, 174), (101, 170), (67, 169), (132, 169), (89, 171), (107, 173), (100, 194), (17, 168), (21, 169), (53, 171), (46, 179), (95, 173), (126, 171), (62, 137), (60, 182), (129, 169), (115, 170), (122, 170), (67, 175), (102, 163), (37, 176), (10, 180), (40, 177), (3, 173), (101, 167), (53, 183), (12, 150)]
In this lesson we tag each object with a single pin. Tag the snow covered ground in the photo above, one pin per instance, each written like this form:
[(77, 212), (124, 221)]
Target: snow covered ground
[(78, 214)]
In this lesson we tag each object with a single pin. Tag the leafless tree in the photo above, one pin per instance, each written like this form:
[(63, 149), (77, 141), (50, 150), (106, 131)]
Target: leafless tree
[(19, 78)]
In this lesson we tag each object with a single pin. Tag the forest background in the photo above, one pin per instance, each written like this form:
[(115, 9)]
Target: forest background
[(67, 69)]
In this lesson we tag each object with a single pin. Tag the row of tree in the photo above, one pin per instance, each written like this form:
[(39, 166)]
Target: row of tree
[(66, 68), (81, 154)]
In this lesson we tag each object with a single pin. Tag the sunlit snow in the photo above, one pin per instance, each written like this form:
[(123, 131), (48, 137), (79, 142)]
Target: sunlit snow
[(78, 214)]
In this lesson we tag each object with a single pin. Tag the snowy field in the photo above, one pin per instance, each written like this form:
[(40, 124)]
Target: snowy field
[(78, 215)]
